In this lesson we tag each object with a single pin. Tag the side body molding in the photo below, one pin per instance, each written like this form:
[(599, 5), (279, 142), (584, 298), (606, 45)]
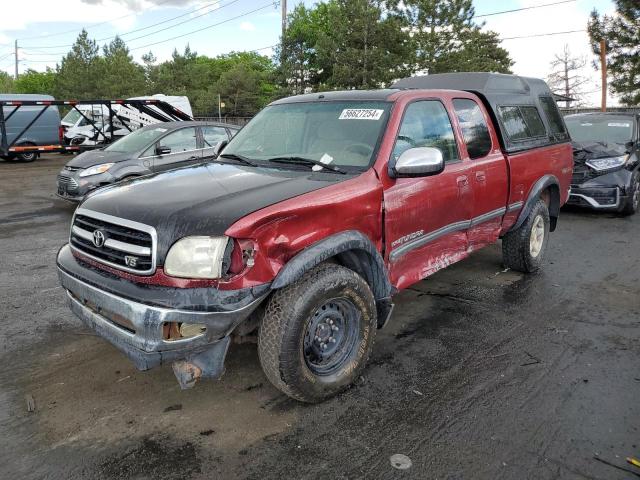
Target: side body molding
[(354, 250), (554, 201)]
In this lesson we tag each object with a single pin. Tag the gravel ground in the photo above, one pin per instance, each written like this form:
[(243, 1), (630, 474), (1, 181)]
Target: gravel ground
[(481, 374)]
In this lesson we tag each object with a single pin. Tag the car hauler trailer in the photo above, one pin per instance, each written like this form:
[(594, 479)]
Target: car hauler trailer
[(17, 143)]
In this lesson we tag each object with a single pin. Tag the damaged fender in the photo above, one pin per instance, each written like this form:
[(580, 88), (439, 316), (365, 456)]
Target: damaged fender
[(353, 250)]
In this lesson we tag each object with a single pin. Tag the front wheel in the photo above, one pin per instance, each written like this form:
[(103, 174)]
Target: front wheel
[(633, 202), (317, 333), (523, 249)]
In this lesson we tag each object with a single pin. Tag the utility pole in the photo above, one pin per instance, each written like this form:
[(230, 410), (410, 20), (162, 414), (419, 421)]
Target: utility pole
[(16, 57), (603, 67), (284, 17), (219, 109)]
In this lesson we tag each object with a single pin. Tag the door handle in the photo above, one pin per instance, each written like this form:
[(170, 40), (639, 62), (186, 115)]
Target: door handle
[(193, 157), (462, 181), (480, 176)]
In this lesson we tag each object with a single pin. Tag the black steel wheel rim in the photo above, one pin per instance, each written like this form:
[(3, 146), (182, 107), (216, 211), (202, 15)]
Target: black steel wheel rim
[(331, 335)]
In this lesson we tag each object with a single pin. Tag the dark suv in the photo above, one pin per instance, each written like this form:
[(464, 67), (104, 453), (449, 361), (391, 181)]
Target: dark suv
[(606, 174), (151, 149)]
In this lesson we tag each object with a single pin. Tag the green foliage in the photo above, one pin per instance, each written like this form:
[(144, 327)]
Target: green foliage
[(369, 43), (622, 36), (118, 75), (446, 38), (77, 76), (32, 81), (6, 82)]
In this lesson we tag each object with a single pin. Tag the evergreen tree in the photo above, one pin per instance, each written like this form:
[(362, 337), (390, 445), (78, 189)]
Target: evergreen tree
[(120, 76), (447, 39), (622, 36), (366, 46), (77, 76)]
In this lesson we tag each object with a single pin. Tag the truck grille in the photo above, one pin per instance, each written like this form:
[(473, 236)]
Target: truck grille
[(67, 184), (117, 242)]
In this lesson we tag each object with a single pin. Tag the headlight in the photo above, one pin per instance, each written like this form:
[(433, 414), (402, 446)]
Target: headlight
[(196, 257), (96, 169), (601, 164)]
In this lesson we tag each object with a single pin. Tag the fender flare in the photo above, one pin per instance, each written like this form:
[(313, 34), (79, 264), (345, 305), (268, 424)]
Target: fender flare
[(353, 249), (554, 205)]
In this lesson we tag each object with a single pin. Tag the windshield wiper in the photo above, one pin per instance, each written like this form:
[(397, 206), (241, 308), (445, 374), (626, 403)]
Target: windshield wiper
[(240, 158), (306, 161)]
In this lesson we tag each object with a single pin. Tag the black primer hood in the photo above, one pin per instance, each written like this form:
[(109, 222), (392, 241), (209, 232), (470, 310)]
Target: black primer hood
[(96, 157), (204, 199)]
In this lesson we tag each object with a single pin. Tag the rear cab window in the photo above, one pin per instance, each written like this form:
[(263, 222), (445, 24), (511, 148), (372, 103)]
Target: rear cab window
[(554, 119), (521, 122)]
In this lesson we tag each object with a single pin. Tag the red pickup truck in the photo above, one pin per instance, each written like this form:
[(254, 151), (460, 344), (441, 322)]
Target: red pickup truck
[(311, 218)]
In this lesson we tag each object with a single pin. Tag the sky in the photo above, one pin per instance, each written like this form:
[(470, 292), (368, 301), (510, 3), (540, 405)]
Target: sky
[(45, 29)]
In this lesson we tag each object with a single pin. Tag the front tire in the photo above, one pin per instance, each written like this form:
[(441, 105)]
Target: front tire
[(633, 203), (317, 333), (523, 249)]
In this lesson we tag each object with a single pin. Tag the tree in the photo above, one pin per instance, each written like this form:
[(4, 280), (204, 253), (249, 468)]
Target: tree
[(446, 38), (565, 75), (299, 70), (32, 81), (6, 82), (621, 34), (120, 76), (365, 47), (78, 73)]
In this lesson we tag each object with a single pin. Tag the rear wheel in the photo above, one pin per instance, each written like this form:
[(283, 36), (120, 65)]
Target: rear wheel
[(633, 201), (317, 333), (523, 249), (27, 156)]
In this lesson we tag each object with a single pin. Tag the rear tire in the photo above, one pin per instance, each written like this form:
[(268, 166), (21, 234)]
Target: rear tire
[(27, 157), (523, 249), (633, 202), (317, 333)]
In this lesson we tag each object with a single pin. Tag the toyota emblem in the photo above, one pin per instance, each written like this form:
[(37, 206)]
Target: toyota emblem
[(98, 238)]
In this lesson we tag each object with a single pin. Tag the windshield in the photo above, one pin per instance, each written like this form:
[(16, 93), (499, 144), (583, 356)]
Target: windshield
[(72, 117), (343, 134), (136, 140), (600, 128)]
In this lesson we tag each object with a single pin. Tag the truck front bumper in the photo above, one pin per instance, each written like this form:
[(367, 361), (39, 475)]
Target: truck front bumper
[(137, 329)]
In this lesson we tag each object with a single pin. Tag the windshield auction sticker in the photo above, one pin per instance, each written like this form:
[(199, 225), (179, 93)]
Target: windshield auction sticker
[(619, 124), (361, 114)]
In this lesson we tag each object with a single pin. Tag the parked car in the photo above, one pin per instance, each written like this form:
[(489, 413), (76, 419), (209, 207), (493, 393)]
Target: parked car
[(606, 174), (44, 131), (319, 210), (153, 148)]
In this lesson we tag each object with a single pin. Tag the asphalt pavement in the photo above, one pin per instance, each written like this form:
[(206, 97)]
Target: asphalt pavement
[(481, 374)]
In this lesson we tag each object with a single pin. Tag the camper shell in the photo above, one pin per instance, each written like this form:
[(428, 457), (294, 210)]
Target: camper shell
[(506, 97)]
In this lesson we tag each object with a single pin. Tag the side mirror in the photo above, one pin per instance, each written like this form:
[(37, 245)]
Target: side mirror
[(161, 150), (419, 162), (217, 150)]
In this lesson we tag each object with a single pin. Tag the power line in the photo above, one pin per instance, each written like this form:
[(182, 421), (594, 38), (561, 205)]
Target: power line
[(270, 4), (91, 25), (150, 26), (543, 34), (170, 26), (523, 8)]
